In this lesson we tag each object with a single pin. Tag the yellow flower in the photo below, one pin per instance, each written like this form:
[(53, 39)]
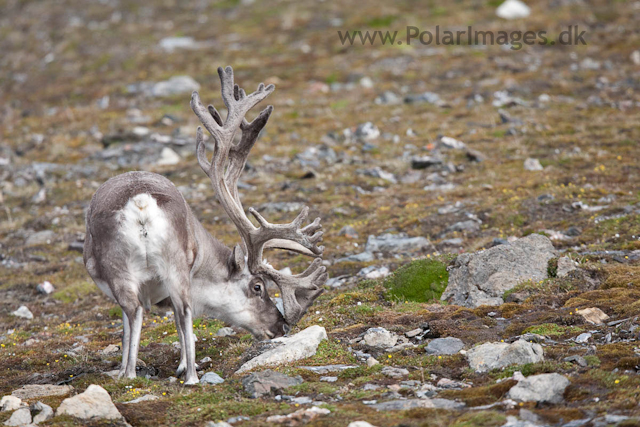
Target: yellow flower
[(617, 381), (277, 295), (439, 357), (70, 376), (164, 393), (389, 356)]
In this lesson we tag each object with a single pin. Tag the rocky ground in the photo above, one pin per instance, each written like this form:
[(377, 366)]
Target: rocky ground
[(428, 164)]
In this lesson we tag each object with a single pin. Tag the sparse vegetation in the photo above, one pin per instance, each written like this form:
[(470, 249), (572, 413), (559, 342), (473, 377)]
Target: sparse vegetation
[(421, 280)]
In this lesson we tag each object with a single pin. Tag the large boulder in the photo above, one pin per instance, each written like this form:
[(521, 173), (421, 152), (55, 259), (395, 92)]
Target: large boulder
[(496, 355), (481, 278), (540, 388), (94, 403), (289, 349)]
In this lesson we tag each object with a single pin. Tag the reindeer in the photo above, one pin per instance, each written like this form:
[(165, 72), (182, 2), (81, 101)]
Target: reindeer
[(144, 245)]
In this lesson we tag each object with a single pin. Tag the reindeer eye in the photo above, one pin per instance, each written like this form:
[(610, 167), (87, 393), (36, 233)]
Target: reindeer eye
[(257, 288)]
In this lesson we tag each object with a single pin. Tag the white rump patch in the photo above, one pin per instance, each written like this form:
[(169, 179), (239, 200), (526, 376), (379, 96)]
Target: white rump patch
[(145, 230)]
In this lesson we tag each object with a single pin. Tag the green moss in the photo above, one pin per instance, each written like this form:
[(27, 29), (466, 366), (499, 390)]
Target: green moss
[(75, 292), (552, 329), (552, 267), (420, 281)]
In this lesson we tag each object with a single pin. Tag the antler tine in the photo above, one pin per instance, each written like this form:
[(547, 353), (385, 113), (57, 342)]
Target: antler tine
[(298, 291)]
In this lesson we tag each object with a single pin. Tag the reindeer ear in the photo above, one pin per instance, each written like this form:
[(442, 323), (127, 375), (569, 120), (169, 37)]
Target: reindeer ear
[(236, 260)]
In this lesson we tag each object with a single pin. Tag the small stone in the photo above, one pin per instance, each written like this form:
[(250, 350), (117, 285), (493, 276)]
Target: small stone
[(225, 332), (513, 9), (394, 372), (206, 359), (174, 86), (329, 379), (372, 362), (44, 237), (145, 398), (379, 338), (211, 378), (565, 266), (295, 347), (325, 369), (349, 232), (424, 162), (532, 165), (23, 312), (540, 388), (218, 424), (258, 384), (168, 157), (579, 360), (10, 403), (448, 345), (45, 288), (360, 424), (412, 333), (45, 412), (593, 315), (583, 338), (490, 356), (635, 57), (20, 417), (299, 416), (403, 405), (110, 350), (94, 403)]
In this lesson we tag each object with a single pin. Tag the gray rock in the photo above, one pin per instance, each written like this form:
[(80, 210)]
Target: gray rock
[(329, 379), (403, 405), (349, 232), (413, 333), (374, 272), (540, 388), (327, 368), (260, 383), (44, 412), (397, 243), (35, 391), (211, 378), (565, 266), (583, 338), (379, 338), (532, 165), (424, 162), (579, 360), (170, 44), (44, 237), (448, 345), (388, 98), (481, 278), (218, 424), (426, 97), (20, 417), (394, 372), (513, 9), (289, 349), (23, 312), (10, 403), (225, 332), (176, 85), (367, 131), (490, 356), (361, 257), (94, 403), (168, 157), (469, 226), (377, 172), (360, 424), (145, 398), (45, 288)]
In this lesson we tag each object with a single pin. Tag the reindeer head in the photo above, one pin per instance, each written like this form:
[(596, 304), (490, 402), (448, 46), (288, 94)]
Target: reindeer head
[(298, 291)]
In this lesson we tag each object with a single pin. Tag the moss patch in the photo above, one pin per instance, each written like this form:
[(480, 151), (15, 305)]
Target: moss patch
[(420, 281)]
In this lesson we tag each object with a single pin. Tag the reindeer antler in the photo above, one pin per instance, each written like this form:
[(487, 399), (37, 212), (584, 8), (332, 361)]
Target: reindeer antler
[(298, 291)]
